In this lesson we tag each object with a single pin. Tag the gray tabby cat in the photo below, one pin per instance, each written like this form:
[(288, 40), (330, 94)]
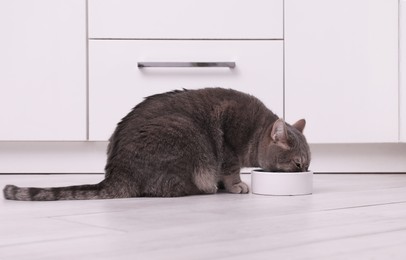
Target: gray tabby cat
[(188, 142)]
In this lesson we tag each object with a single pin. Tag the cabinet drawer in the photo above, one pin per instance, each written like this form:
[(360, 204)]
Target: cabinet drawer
[(185, 19), (117, 84)]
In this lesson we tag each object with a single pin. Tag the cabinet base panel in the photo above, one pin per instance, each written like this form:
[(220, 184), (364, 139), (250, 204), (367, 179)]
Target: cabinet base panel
[(90, 157)]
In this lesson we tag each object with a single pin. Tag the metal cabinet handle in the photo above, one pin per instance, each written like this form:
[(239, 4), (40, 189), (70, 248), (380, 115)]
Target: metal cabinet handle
[(230, 65)]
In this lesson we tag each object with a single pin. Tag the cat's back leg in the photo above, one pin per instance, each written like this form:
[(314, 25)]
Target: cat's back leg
[(206, 179), (178, 182), (169, 185), (167, 156)]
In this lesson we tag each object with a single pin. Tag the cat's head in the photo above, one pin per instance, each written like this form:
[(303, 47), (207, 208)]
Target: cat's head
[(284, 148)]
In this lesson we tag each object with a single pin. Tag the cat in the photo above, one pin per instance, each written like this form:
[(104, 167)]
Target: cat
[(188, 142)]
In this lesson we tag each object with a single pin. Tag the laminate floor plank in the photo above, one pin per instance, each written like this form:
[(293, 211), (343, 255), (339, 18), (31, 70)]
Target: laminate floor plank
[(349, 216)]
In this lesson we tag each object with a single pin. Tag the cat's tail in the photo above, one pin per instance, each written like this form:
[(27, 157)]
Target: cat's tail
[(79, 192)]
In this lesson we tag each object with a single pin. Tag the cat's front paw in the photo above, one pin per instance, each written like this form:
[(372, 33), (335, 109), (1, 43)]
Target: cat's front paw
[(240, 187)]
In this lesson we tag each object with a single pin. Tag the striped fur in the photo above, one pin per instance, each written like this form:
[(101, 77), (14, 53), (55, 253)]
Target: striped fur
[(188, 142)]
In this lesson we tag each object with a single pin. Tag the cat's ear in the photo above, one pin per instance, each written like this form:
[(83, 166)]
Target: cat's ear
[(300, 125), (279, 133)]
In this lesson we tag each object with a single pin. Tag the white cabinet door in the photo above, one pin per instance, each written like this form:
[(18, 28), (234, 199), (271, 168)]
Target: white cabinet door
[(341, 69), (42, 70), (117, 84)]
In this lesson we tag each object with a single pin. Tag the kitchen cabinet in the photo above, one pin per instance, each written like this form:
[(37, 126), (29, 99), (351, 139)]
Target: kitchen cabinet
[(341, 69), (250, 35), (43, 70)]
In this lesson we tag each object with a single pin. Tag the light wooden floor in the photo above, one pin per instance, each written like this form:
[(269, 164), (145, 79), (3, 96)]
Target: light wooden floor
[(348, 217)]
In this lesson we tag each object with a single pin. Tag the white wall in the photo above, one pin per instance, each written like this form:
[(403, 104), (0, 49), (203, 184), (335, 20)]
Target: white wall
[(402, 69)]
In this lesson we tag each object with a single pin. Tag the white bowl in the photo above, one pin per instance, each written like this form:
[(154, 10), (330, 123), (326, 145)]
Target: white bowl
[(281, 183)]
